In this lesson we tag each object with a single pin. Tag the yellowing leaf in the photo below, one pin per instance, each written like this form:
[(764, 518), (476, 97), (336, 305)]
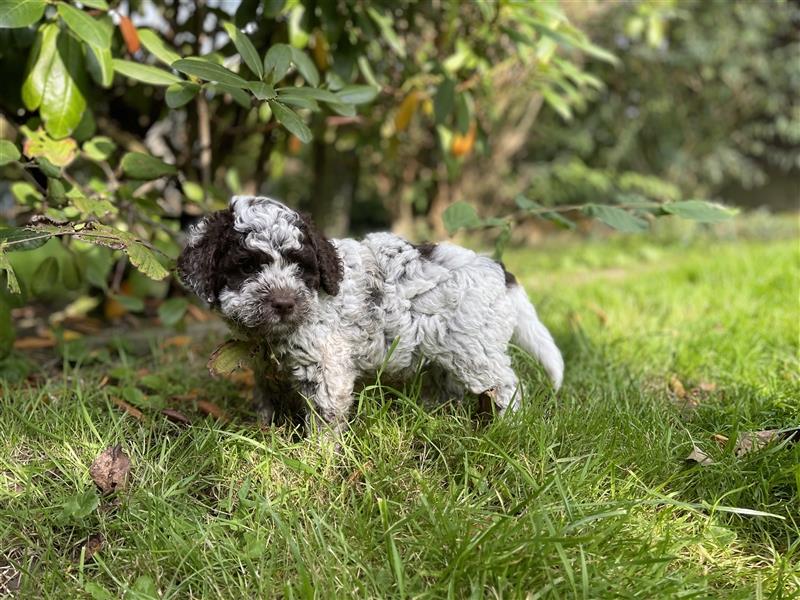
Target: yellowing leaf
[(229, 357), (407, 109)]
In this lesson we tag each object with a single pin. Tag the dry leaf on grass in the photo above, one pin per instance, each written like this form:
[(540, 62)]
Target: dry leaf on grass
[(110, 469), (34, 343), (676, 387), (128, 408), (755, 440), (176, 416), (93, 544), (699, 457), (177, 341), (209, 408)]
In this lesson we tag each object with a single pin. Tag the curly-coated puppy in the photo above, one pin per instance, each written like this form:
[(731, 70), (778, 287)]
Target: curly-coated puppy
[(325, 313)]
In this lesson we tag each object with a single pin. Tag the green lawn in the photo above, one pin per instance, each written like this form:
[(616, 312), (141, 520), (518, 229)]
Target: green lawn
[(583, 495)]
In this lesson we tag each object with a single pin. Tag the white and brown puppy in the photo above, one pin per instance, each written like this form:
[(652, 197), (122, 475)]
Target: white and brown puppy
[(330, 311)]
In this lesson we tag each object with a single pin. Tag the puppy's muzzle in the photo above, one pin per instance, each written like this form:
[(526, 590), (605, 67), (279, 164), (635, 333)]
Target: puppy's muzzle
[(283, 303)]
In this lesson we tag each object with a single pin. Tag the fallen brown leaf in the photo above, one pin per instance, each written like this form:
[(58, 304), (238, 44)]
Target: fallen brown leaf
[(198, 313), (110, 469), (93, 544), (699, 457), (209, 408), (676, 387), (189, 396), (176, 416), (177, 341), (34, 343), (707, 387), (128, 408), (750, 441), (720, 439)]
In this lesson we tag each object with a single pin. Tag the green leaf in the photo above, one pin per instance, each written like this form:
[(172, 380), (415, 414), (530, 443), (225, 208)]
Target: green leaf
[(385, 25), (25, 193), (80, 505), (460, 215), (7, 333), (208, 71), (261, 90), (311, 93), (20, 13), (228, 357), (88, 206), (172, 311), (11, 278), (465, 111), (8, 152), (557, 103), (444, 100), (193, 191), (291, 120), (98, 4), (299, 101), (145, 260), (699, 210), (246, 49), (101, 65), (180, 94), (277, 60), (157, 47), (45, 276), (19, 238), (85, 27), (39, 61), (70, 273), (540, 211), (357, 94), (346, 110), (63, 103), (306, 66), (145, 73), (97, 591), (131, 304), (238, 94), (145, 587), (138, 165), (616, 218), (48, 168), (99, 148)]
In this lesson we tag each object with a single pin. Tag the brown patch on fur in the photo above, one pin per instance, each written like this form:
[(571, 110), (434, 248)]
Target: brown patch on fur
[(425, 249), (219, 259), (510, 279), (318, 259)]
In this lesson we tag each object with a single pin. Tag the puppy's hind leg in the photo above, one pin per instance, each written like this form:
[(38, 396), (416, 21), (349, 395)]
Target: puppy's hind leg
[(487, 374)]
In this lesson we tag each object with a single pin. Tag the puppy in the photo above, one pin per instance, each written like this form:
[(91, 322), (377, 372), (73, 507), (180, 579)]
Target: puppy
[(323, 313)]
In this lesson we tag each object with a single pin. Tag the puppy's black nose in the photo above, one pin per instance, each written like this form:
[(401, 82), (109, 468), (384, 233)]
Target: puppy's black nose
[(283, 305)]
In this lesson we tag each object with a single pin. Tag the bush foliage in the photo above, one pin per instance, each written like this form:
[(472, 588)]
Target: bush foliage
[(119, 127)]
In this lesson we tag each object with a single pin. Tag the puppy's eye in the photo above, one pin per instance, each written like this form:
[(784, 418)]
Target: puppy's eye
[(250, 268)]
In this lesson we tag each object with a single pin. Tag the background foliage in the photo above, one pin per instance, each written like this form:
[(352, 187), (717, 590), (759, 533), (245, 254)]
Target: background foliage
[(123, 121)]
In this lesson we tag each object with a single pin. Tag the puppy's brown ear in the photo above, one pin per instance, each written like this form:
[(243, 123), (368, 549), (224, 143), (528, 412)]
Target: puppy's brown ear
[(199, 263), (328, 261)]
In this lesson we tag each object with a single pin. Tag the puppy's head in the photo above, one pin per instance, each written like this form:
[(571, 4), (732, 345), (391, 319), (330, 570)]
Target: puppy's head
[(259, 264)]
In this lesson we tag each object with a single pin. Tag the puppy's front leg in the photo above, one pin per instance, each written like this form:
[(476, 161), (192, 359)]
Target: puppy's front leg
[(328, 388)]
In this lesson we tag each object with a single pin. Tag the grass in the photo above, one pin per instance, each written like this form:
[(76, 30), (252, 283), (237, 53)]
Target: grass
[(584, 495)]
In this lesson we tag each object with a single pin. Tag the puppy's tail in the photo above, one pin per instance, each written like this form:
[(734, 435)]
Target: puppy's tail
[(531, 335)]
